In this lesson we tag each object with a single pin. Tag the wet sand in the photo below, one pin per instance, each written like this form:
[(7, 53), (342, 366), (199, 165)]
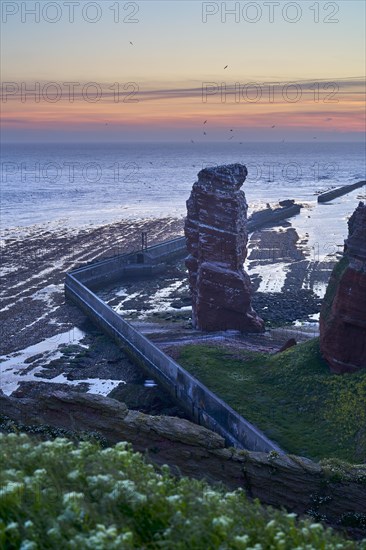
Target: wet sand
[(34, 267)]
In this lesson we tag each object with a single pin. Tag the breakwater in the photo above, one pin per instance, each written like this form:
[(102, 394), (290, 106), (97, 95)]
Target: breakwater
[(339, 191), (203, 406)]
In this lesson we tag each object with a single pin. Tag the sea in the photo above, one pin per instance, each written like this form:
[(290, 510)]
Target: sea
[(75, 185)]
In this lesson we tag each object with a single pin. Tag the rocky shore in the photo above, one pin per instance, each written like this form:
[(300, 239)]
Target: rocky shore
[(46, 340)]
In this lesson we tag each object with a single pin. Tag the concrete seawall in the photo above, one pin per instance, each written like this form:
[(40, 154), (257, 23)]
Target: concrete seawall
[(203, 406), (339, 191), (269, 216), (142, 263)]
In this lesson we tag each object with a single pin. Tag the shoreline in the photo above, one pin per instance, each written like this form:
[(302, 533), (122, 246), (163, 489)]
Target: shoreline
[(45, 338)]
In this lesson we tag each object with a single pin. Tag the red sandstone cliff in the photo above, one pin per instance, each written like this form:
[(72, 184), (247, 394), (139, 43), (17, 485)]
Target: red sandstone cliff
[(216, 233), (343, 313)]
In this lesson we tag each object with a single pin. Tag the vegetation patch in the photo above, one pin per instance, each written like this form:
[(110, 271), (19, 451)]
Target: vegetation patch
[(291, 396), (59, 494)]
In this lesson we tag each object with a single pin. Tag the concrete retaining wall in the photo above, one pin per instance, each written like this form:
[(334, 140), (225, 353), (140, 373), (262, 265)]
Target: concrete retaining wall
[(339, 191), (201, 404), (133, 265), (166, 250), (268, 217)]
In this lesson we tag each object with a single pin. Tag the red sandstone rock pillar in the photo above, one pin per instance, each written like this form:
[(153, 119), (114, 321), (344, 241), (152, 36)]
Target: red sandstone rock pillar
[(343, 313), (216, 233)]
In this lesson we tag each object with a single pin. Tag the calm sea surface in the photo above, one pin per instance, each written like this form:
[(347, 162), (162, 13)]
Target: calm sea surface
[(80, 184)]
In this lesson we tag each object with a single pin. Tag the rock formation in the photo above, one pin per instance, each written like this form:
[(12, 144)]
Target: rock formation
[(192, 450), (216, 233), (343, 313)]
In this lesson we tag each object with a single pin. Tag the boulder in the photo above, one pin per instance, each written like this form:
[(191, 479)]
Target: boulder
[(287, 345)]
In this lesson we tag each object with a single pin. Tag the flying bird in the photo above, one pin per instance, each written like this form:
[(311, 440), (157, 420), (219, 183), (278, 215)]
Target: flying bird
[(204, 133), (131, 43), (232, 137), (226, 66), (192, 141), (205, 122), (273, 126)]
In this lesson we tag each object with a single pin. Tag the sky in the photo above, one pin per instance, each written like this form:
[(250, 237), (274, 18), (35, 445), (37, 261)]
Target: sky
[(157, 70)]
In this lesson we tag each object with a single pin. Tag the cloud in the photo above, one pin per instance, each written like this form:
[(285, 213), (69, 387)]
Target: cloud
[(279, 92)]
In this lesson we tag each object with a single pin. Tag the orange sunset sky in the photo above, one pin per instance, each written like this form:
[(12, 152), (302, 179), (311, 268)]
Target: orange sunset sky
[(157, 70)]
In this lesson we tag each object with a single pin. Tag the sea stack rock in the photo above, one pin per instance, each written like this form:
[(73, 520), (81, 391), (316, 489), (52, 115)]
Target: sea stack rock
[(343, 313), (216, 233)]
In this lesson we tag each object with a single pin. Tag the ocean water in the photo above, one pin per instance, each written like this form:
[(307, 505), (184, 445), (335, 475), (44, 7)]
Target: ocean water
[(75, 185)]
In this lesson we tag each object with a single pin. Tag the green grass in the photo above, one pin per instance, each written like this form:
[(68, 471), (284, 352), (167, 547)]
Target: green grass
[(291, 396), (63, 495)]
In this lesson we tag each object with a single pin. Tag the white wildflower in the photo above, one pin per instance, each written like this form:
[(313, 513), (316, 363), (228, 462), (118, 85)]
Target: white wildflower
[(173, 498), (12, 526), (28, 524), (73, 496), (316, 526), (222, 521), (28, 545), (271, 524)]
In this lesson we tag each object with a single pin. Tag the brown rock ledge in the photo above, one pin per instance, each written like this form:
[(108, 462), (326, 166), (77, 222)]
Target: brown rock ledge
[(331, 492)]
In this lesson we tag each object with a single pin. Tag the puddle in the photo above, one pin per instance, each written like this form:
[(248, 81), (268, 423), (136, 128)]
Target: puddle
[(156, 302), (150, 384), (320, 289), (12, 365), (273, 276), (308, 328), (99, 386)]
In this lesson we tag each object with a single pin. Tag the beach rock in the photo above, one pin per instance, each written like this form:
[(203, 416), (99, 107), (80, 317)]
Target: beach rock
[(343, 313), (216, 234), (287, 203), (85, 412), (287, 345)]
